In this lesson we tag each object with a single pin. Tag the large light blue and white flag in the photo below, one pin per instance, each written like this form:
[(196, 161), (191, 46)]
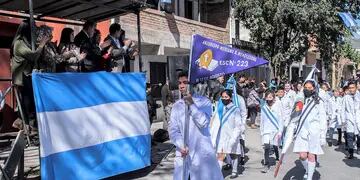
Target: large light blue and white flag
[(91, 125)]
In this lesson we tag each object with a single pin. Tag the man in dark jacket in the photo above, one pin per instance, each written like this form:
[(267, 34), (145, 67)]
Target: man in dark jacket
[(117, 51), (84, 41)]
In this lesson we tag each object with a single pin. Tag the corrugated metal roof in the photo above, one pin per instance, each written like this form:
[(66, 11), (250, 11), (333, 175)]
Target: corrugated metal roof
[(75, 9)]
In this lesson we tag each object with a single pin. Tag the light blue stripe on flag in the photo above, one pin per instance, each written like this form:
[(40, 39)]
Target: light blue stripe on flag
[(64, 91), (91, 125), (99, 161)]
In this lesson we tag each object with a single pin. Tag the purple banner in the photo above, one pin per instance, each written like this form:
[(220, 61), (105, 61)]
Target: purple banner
[(211, 59)]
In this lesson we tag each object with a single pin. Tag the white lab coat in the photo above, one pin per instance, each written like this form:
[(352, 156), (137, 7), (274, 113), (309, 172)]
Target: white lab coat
[(226, 137), (336, 119), (350, 113), (201, 161), (313, 132), (327, 103), (288, 102), (268, 131), (243, 114)]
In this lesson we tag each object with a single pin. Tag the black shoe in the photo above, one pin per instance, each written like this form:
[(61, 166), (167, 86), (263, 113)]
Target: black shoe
[(242, 161), (330, 144), (227, 167), (350, 156), (277, 159)]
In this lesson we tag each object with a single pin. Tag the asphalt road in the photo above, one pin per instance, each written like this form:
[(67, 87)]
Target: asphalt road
[(333, 165)]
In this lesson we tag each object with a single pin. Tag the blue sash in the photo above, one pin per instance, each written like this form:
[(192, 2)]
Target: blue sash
[(270, 116), (226, 116)]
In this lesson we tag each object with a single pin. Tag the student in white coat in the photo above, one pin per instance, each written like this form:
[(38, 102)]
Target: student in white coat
[(271, 126), (243, 114), (350, 111), (336, 121), (196, 150), (226, 130), (311, 129), (288, 102)]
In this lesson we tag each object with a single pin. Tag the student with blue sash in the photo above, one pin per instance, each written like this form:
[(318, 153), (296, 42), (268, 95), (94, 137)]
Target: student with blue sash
[(226, 129), (271, 126), (310, 131)]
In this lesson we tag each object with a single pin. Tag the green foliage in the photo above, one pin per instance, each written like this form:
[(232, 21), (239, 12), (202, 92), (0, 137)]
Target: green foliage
[(281, 27), (347, 51)]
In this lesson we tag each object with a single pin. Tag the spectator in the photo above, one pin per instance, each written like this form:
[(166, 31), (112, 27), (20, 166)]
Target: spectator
[(70, 52), (201, 89), (84, 41), (131, 54), (216, 88), (50, 57), (99, 51), (273, 84), (242, 87), (85, 35), (22, 60), (262, 89), (253, 105), (118, 52), (150, 102), (167, 101)]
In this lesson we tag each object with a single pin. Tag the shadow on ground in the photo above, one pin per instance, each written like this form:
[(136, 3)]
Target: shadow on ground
[(158, 152), (297, 172)]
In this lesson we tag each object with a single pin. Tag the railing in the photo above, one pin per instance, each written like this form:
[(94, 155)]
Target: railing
[(18, 103)]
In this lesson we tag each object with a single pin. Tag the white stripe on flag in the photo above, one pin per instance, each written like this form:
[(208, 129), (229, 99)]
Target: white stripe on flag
[(84, 127)]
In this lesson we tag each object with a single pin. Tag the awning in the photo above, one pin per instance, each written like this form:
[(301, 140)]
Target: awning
[(80, 10)]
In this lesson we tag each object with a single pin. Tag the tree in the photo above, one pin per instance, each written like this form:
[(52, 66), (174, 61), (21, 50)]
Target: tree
[(345, 54), (282, 28)]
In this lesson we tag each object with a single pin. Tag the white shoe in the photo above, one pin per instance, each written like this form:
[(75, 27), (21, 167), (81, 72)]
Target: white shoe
[(305, 176)]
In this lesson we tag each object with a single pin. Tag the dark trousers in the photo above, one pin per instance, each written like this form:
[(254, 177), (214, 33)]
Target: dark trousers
[(267, 153), (26, 96), (350, 142), (252, 114), (331, 134)]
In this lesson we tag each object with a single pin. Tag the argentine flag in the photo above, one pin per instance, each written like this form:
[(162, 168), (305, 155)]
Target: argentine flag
[(91, 125)]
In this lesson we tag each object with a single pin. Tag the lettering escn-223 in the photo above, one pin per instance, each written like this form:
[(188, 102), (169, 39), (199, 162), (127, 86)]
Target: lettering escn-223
[(238, 63)]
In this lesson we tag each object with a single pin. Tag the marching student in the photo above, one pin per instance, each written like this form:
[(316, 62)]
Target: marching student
[(271, 126), (350, 111), (311, 128), (193, 143), (288, 101), (336, 120), (226, 129)]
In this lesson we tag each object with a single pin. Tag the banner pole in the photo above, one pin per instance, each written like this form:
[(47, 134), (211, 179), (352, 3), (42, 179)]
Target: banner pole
[(187, 116)]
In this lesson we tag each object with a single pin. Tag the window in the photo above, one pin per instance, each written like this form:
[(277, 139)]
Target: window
[(188, 9)]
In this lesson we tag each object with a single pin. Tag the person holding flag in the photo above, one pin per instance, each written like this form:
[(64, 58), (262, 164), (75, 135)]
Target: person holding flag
[(307, 127), (271, 126), (226, 129), (189, 132), (311, 128)]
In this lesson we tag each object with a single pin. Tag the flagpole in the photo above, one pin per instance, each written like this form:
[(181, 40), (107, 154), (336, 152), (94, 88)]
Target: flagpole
[(187, 117)]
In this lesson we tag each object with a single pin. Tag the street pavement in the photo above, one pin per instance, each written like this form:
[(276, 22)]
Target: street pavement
[(333, 165)]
